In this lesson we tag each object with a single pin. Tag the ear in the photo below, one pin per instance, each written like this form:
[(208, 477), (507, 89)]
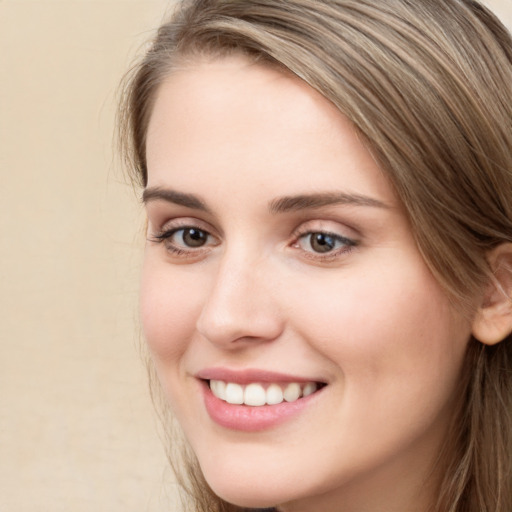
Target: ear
[(493, 320)]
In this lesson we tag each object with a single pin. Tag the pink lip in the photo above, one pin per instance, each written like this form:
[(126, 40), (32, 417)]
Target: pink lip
[(249, 375), (246, 418)]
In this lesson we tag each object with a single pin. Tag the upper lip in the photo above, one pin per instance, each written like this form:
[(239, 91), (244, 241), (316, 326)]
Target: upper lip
[(250, 375)]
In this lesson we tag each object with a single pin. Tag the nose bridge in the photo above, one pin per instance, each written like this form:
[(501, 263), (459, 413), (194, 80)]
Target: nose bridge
[(239, 305)]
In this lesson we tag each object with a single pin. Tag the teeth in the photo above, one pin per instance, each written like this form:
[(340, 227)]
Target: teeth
[(218, 388), (274, 394), (255, 394), (292, 392), (234, 394), (309, 389)]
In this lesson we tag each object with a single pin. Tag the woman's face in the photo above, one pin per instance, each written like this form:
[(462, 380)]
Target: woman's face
[(279, 262)]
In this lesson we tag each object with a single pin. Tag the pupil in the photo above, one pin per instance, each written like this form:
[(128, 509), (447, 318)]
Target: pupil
[(194, 237), (321, 242)]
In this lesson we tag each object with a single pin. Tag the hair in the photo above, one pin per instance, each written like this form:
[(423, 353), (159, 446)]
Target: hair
[(428, 85)]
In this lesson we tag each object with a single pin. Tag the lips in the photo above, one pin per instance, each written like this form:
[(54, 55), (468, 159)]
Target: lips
[(254, 400)]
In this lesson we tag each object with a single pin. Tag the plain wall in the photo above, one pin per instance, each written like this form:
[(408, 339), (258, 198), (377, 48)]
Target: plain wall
[(77, 429)]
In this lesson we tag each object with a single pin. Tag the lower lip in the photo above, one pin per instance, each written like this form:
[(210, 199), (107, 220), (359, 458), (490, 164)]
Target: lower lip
[(251, 419)]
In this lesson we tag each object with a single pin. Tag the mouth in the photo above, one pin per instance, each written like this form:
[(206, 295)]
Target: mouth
[(258, 394), (254, 400)]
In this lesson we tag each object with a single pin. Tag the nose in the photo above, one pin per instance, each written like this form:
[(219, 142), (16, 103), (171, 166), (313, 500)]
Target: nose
[(241, 305)]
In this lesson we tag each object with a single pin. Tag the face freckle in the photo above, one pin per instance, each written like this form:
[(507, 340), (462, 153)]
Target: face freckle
[(362, 319)]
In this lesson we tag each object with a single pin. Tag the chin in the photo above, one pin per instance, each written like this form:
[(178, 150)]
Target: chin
[(250, 492)]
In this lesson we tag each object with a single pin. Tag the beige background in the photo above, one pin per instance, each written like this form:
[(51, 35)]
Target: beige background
[(77, 431)]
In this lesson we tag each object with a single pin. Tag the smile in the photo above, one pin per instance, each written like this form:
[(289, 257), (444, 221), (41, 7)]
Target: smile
[(255, 406), (253, 400), (256, 394)]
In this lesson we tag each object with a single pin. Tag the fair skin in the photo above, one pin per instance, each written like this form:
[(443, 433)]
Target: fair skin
[(329, 289)]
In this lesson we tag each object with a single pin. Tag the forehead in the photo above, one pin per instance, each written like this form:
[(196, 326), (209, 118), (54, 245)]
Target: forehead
[(234, 91), (234, 121)]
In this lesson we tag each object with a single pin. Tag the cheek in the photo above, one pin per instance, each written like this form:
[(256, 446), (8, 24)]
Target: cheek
[(390, 334), (169, 310)]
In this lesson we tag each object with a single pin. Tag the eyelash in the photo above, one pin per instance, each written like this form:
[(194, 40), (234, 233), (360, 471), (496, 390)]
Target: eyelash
[(348, 244)]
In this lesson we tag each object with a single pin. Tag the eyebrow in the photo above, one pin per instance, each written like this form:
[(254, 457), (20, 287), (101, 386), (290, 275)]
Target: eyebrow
[(280, 205), (172, 196), (311, 201)]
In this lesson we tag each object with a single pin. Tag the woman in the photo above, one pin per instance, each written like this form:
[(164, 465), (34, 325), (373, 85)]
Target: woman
[(326, 291)]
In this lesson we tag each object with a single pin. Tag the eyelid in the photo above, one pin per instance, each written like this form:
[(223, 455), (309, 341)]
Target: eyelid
[(180, 223), (333, 228)]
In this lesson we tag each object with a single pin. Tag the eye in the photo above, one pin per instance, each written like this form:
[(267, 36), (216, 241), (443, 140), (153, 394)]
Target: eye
[(191, 237), (185, 240), (324, 243)]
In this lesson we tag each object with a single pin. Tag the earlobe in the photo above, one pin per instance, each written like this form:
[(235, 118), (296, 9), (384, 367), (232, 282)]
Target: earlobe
[(493, 319)]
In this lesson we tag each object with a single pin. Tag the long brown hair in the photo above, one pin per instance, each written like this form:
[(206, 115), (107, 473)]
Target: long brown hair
[(428, 84)]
